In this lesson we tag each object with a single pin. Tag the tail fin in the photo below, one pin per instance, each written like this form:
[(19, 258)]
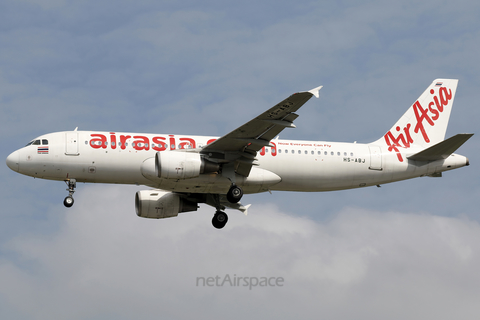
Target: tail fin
[(425, 122)]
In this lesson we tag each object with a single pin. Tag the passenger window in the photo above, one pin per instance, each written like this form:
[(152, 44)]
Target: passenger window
[(326, 153), (338, 153), (345, 154), (44, 142), (351, 154), (332, 153), (286, 150), (313, 152), (306, 152), (299, 152), (279, 150)]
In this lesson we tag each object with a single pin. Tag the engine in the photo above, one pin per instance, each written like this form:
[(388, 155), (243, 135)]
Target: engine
[(159, 204), (182, 165)]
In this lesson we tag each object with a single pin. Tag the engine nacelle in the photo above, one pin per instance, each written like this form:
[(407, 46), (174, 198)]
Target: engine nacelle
[(159, 204), (182, 165)]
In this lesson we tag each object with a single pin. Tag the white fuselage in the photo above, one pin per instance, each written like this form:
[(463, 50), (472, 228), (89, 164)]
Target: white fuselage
[(289, 165)]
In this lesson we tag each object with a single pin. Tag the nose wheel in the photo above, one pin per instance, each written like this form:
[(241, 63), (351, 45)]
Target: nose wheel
[(68, 202), (72, 184)]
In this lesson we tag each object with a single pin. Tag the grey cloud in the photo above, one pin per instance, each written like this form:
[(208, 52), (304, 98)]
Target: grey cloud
[(109, 262)]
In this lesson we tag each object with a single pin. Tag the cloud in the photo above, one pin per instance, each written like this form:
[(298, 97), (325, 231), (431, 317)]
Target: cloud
[(105, 262)]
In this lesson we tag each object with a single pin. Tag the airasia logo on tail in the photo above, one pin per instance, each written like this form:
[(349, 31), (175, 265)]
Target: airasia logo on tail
[(423, 117)]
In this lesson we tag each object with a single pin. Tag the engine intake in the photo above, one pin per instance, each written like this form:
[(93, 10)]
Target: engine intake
[(159, 204)]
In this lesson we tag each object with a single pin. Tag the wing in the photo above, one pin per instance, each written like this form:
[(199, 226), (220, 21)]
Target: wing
[(241, 145)]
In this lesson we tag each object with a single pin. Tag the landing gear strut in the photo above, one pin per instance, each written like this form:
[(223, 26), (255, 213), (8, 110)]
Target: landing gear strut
[(72, 184)]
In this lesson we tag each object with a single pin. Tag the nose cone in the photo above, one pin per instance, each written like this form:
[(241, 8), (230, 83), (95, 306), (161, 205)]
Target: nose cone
[(13, 161)]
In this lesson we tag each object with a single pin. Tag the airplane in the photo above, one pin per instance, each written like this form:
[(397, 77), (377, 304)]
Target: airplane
[(184, 171)]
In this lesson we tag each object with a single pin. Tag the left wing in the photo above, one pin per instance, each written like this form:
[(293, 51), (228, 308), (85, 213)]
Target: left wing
[(240, 146)]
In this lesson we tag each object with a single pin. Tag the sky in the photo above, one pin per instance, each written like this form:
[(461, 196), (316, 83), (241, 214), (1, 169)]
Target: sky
[(406, 250)]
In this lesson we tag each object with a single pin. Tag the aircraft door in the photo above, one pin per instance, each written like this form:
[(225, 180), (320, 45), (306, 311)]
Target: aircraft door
[(375, 158), (71, 143)]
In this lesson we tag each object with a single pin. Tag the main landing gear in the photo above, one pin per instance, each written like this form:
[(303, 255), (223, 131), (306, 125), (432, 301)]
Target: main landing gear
[(234, 194), (220, 218), (72, 184)]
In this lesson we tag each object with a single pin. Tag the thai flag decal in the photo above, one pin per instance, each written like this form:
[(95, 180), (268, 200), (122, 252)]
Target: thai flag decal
[(438, 84), (42, 150)]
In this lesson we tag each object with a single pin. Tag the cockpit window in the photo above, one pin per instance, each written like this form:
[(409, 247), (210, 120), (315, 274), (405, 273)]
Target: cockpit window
[(38, 142)]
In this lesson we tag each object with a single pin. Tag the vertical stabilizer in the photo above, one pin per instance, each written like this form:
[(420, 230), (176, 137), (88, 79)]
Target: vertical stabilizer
[(425, 122)]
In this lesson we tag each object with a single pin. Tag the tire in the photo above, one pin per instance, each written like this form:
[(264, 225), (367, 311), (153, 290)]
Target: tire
[(68, 202), (234, 194), (219, 220)]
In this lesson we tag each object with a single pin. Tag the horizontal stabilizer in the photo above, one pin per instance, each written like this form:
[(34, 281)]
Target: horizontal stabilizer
[(442, 150)]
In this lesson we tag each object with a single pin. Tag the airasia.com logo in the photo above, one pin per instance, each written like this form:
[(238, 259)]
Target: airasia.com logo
[(429, 115), (146, 143)]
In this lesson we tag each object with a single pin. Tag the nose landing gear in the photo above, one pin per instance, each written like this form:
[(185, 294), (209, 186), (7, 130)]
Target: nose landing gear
[(72, 184)]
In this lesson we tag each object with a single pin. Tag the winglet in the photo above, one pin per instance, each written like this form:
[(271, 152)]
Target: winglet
[(244, 209), (315, 91)]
